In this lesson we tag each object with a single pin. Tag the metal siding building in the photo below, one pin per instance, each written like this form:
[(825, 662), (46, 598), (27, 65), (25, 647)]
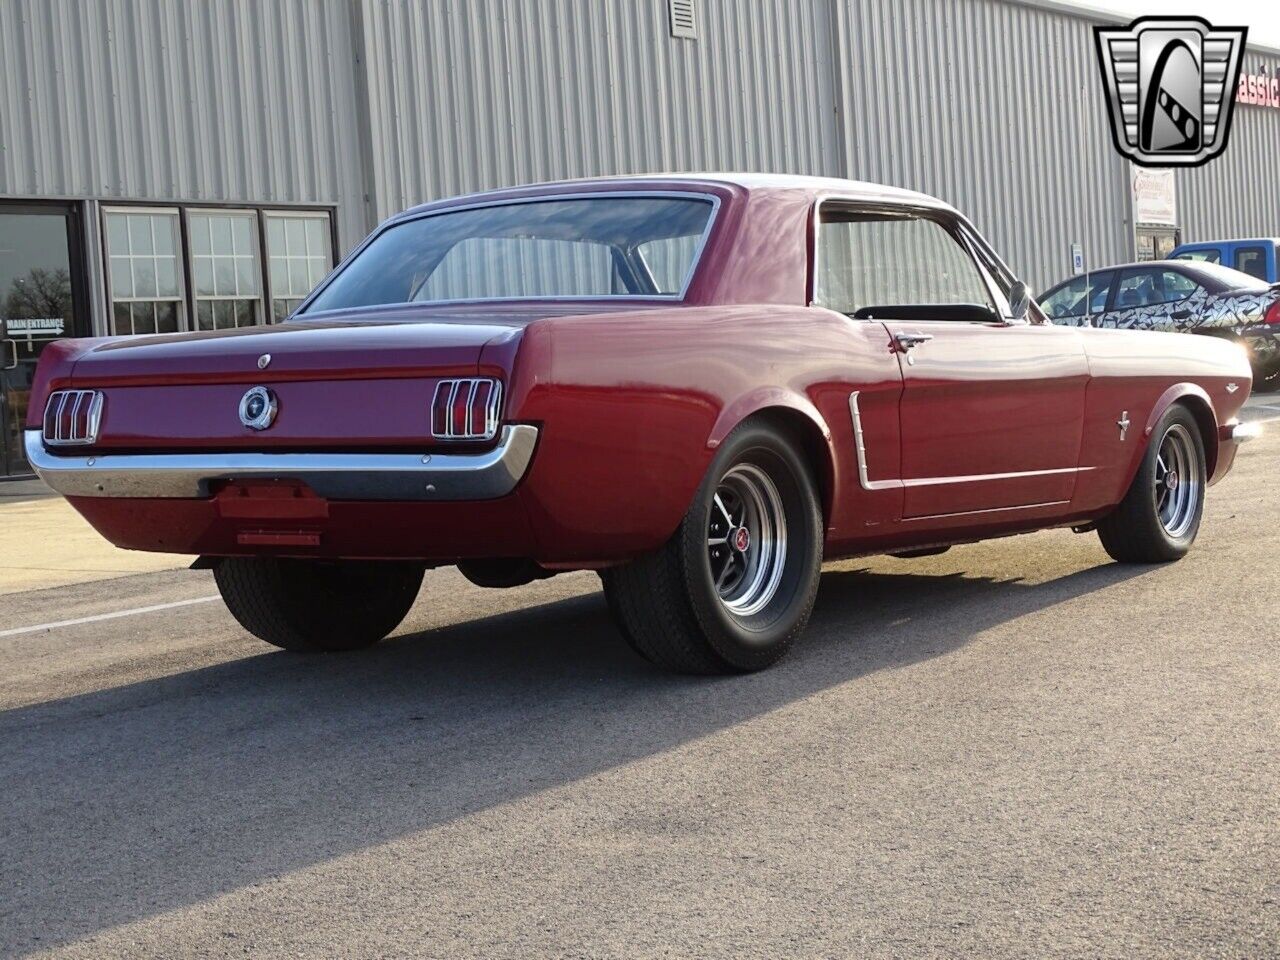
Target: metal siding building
[(1238, 194), (209, 160)]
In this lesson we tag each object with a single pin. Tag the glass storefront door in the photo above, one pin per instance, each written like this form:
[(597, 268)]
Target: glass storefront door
[(42, 299), (1154, 243)]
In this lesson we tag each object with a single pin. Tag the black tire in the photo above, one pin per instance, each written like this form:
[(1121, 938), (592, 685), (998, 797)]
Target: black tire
[(667, 604), (312, 605), (1137, 531)]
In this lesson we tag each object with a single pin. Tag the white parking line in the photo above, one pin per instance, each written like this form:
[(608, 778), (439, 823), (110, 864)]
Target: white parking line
[(105, 616)]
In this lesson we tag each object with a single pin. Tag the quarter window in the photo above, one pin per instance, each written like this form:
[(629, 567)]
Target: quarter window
[(225, 268), (298, 257), (883, 259), (143, 272)]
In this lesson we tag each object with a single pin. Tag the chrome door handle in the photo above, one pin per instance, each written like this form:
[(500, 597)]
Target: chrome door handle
[(12, 362), (906, 342)]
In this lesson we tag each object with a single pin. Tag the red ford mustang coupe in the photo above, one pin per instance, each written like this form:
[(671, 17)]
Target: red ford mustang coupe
[(700, 386)]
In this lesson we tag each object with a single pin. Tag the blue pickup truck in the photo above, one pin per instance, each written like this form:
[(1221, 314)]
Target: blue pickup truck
[(1259, 257)]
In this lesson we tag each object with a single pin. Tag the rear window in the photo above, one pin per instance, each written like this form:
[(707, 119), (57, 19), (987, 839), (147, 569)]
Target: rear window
[(598, 247), (1208, 255)]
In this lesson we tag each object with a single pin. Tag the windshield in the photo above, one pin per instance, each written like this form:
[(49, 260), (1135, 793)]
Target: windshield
[(597, 247)]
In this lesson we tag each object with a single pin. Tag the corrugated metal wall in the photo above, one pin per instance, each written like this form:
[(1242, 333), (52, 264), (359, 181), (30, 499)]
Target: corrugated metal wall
[(374, 105), (217, 100), (995, 108), (1237, 194), (941, 96), (466, 96)]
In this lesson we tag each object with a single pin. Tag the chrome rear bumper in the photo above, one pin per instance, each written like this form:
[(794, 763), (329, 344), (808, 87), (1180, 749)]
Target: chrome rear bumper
[(338, 476)]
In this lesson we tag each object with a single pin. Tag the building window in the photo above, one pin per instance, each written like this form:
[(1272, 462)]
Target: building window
[(225, 268), (298, 257), (143, 272)]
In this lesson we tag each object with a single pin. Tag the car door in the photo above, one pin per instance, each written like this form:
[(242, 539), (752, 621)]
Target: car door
[(42, 298), (992, 410)]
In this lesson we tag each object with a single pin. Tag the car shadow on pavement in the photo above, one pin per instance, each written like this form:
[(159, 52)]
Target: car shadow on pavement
[(125, 803)]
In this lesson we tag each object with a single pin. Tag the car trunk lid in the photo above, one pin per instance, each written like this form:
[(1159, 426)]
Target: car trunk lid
[(337, 384)]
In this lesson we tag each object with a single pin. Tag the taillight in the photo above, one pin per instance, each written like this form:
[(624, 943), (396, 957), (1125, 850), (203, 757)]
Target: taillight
[(466, 409), (71, 417), (1273, 313)]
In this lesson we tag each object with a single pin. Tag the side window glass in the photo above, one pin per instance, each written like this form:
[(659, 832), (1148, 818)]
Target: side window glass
[(1253, 261), (1084, 295), (1101, 286), (882, 259), (1136, 289), (1068, 300), (1177, 287)]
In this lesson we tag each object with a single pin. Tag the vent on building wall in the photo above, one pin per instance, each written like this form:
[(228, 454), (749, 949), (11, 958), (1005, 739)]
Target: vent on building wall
[(682, 21)]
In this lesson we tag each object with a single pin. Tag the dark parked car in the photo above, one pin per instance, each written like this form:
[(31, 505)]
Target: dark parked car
[(1178, 296)]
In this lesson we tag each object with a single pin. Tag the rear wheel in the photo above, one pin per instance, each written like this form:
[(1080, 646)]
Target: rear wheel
[(313, 605), (735, 585), (1160, 515)]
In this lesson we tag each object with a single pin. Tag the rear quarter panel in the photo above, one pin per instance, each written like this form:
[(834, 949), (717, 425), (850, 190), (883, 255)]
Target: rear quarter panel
[(1140, 373), (633, 407)]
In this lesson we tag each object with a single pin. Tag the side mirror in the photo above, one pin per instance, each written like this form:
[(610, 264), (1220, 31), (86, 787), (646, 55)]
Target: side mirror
[(1019, 300)]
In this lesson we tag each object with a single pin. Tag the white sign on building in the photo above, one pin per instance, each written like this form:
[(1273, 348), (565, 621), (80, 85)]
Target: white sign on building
[(1155, 196)]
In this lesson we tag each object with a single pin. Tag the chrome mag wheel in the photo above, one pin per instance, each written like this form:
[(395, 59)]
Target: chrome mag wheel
[(746, 539), (1178, 483)]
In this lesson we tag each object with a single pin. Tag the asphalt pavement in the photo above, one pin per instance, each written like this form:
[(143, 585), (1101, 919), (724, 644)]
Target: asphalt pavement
[(1016, 749)]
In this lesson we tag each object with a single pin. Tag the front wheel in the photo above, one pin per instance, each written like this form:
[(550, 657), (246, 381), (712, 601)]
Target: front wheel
[(315, 605), (735, 585), (1159, 517)]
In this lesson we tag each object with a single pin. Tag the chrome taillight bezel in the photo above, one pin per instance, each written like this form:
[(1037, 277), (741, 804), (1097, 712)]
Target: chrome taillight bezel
[(85, 418), (467, 389)]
